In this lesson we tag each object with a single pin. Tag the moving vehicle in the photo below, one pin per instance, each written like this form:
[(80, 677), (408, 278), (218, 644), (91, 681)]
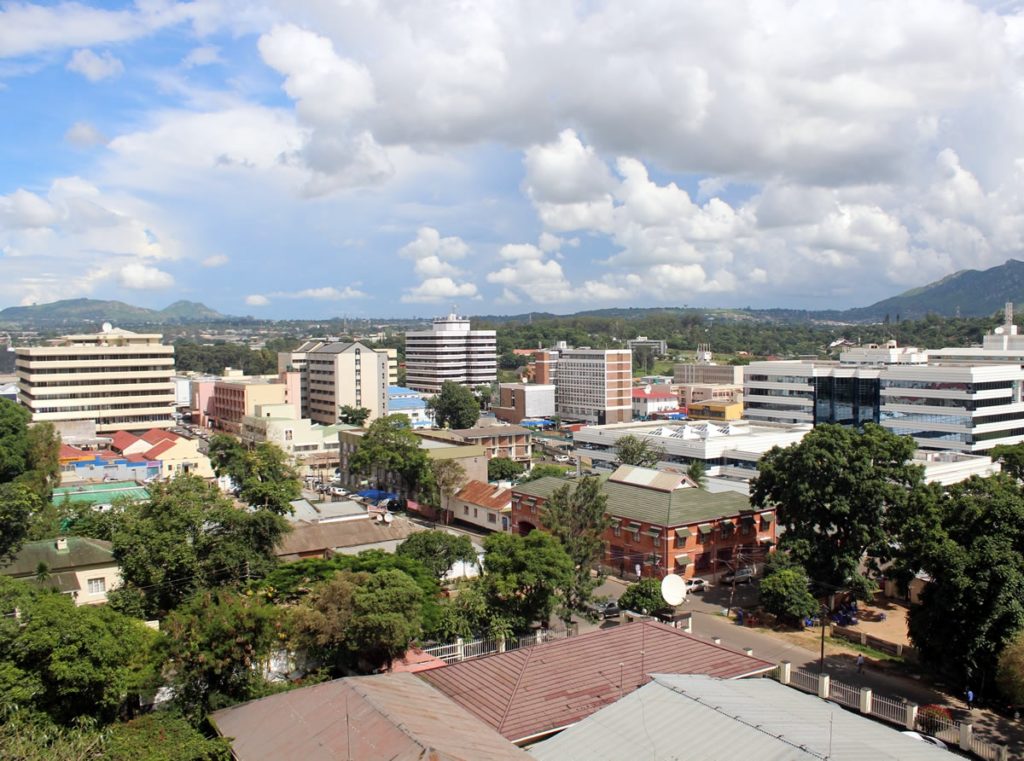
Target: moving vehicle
[(926, 739), (696, 585), (605, 609), (561, 458), (739, 576)]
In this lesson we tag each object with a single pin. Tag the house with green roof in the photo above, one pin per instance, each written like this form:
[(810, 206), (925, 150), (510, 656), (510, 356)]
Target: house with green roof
[(663, 523), (74, 565)]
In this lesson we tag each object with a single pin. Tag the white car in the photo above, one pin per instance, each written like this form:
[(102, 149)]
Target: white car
[(561, 458)]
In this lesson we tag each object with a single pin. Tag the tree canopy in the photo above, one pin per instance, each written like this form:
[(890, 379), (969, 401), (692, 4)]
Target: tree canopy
[(29, 468), (575, 515), (455, 406), (785, 595), (523, 576), (839, 493), (188, 536), (263, 475), (643, 597), (632, 450), (503, 469), (390, 447), (352, 415), (437, 550), (1010, 670)]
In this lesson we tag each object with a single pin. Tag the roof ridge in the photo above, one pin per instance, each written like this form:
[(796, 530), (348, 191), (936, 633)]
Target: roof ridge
[(515, 689)]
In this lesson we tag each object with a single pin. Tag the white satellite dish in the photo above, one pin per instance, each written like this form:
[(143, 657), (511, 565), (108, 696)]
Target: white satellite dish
[(107, 327), (673, 589), (388, 517)]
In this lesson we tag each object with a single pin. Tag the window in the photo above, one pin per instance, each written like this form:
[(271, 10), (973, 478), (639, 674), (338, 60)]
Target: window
[(617, 530), (491, 518), (465, 509), (97, 586)]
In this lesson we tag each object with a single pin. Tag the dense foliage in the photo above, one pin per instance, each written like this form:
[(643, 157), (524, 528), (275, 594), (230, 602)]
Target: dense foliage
[(631, 450), (438, 551), (213, 358), (29, 468), (262, 473), (390, 447), (785, 595), (503, 469), (839, 494), (455, 406), (352, 415), (643, 597), (524, 575), (1010, 670)]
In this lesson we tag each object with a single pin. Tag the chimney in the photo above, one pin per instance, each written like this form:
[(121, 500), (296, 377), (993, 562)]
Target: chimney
[(62, 544)]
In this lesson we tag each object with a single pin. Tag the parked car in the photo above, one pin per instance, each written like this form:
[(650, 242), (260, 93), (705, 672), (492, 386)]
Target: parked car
[(561, 458), (696, 585), (605, 609), (739, 576), (338, 491), (926, 739)]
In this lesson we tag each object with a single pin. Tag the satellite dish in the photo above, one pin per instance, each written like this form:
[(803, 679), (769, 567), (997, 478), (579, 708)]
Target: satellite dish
[(107, 327), (673, 589), (388, 517)]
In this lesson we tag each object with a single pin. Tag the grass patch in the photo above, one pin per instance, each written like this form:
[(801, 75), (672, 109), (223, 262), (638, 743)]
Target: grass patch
[(871, 652)]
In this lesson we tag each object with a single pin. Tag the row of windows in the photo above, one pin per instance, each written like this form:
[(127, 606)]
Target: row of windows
[(96, 407), (95, 357), (111, 383), (91, 370), (104, 394), (964, 404), (968, 387)]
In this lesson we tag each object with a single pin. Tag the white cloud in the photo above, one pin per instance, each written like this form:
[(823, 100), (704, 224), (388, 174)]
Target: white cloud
[(95, 67), (325, 293), (84, 135), (439, 289), (143, 277), (528, 272), (256, 300), (204, 55), (217, 260)]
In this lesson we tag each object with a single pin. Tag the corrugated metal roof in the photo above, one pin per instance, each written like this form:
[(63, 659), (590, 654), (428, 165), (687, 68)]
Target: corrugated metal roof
[(531, 691), (81, 552), (714, 719), (485, 495), (387, 716), (306, 538), (680, 507)]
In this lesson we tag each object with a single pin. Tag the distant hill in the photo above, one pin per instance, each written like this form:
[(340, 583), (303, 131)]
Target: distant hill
[(77, 311), (971, 293)]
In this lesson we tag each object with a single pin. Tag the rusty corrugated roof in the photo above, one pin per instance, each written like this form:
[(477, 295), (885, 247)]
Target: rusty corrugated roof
[(386, 716), (533, 691), (486, 495)]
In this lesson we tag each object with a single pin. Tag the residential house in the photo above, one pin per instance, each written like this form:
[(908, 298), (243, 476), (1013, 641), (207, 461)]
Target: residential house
[(650, 400), (314, 448), (511, 441), (385, 716), (662, 523), (485, 505), (531, 693), (77, 566), (179, 456), (345, 537)]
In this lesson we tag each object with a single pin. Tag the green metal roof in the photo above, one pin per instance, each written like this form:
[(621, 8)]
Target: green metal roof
[(81, 552), (99, 493), (675, 508)]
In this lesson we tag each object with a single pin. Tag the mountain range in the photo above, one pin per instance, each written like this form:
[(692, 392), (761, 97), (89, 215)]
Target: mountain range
[(968, 293)]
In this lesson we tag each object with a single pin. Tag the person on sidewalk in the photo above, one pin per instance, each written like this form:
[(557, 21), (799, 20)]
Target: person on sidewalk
[(970, 699), (860, 663)]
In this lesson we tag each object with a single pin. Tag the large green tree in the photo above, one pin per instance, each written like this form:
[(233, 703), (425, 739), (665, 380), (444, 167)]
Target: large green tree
[(643, 597), (216, 646), (1010, 673), (389, 446), (524, 575), (785, 595), (632, 450), (839, 494), (352, 415), (264, 476), (188, 536), (1011, 457), (575, 515), (438, 550), (503, 469), (446, 478), (970, 542), (386, 618), (18, 505), (70, 661), (455, 406)]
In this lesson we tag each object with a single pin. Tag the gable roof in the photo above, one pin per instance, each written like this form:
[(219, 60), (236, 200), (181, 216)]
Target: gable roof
[(122, 440), (159, 449), (653, 392), (681, 507), (537, 690), (156, 435), (750, 718), (385, 716), (81, 552), (486, 495), (305, 538)]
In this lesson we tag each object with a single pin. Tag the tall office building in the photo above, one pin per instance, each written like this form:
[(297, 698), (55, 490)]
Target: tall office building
[(595, 385), (450, 351), (342, 374), (119, 379)]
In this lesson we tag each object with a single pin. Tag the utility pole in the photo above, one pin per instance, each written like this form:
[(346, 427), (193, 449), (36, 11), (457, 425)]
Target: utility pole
[(824, 623)]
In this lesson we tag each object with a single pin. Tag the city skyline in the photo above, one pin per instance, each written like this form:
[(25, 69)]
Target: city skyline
[(304, 160)]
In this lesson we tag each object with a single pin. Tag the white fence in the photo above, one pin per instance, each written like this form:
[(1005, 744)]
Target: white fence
[(899, 712), (464, 649)]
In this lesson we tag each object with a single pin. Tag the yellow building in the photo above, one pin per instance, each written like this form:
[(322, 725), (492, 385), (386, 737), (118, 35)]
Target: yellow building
[(119, 379), (716, 410)]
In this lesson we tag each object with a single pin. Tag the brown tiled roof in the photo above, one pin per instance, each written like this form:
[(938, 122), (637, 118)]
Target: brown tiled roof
[(485, 495), (306, 538), (122, 440), (159, 449), (387, 716), (156, 435), (536, 690)]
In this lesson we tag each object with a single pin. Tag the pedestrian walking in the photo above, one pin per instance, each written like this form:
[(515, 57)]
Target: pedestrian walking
[(970, 699), (860, 663)]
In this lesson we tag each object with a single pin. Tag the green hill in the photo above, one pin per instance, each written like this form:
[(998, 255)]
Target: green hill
[(79, 311)]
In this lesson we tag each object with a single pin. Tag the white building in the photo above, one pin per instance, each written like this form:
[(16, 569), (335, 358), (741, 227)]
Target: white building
[(658, 346), (650, 400), (524, 401), (119, 379), (341, 374), (412, 404), (726, 449), (953, 467), (314, 448), (343, 371), (450, 351), (595, 385)]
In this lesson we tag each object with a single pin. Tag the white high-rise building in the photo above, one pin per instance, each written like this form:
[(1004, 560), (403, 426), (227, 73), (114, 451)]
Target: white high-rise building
[(595, 385), (119, 379), (340, 374), (450, 351)]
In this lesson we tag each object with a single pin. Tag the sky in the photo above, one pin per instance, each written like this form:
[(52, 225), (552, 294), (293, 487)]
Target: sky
[(374, 158)]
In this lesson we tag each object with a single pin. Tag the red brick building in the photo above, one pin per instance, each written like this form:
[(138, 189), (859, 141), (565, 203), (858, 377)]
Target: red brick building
[(662, 523)]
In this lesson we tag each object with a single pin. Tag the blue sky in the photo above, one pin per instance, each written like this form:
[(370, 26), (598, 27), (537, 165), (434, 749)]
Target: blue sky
[(313, 158)]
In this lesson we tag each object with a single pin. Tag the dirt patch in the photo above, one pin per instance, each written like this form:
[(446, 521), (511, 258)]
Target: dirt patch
[(885, 619)]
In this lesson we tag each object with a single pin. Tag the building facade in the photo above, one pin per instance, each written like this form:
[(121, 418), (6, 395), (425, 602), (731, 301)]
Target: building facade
[(702, 373), (450, 351), (648, 401), (511, 441), (595, 385), (119, 379), (314, 448), (521, 401), (484, 505), (351, 374), (656, 345)]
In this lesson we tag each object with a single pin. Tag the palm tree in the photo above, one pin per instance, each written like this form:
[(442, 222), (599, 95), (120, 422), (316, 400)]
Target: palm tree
[(697, 473)]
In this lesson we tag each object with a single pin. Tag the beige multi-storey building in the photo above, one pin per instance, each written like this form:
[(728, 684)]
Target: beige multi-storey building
[(450, 351), (341, 374), (299, 358), (119, 379), (595, 385)]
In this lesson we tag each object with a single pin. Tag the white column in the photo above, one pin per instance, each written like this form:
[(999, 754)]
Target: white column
[(785, 671), (865, 700), (966, 734), (910, 719), (823, 686)]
